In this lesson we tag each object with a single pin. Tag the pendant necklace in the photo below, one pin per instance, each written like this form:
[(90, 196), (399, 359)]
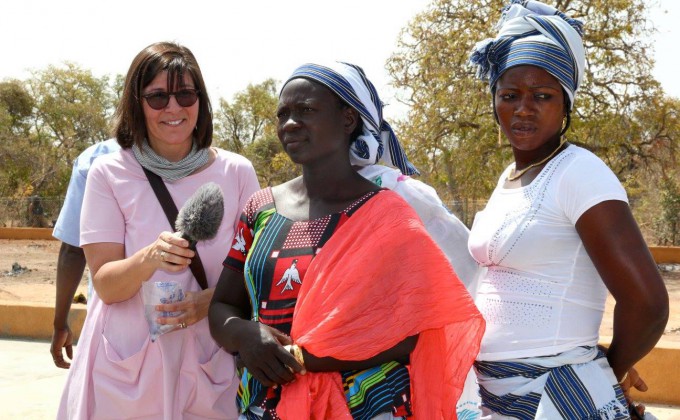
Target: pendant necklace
[(519, 174)]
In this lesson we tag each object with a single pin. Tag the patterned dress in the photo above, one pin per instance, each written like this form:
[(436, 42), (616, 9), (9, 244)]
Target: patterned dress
[(274, 253)]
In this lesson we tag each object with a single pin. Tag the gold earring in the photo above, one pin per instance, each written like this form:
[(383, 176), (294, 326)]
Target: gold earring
[(500, 138)]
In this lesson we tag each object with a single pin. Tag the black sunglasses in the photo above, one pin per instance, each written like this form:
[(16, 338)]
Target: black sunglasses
[(159, 100)]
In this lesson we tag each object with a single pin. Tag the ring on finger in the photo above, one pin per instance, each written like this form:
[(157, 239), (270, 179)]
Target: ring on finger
[(163, 255)]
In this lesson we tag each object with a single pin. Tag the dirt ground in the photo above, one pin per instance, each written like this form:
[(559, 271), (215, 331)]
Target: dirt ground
[(35, 278), (39, 259)]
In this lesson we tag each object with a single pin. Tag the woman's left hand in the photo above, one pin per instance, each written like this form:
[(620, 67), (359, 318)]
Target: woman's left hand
[(193, 308), (633, 380)]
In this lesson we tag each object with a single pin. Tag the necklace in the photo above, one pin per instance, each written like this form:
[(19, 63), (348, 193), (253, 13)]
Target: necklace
[(519, 174)]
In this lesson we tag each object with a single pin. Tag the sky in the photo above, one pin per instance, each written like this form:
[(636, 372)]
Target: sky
[(240, 42)]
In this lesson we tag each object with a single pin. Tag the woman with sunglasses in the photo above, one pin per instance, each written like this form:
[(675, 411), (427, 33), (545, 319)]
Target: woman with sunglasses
[(164, 125)]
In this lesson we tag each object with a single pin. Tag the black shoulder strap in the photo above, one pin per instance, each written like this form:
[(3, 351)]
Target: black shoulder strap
[(171, 212)]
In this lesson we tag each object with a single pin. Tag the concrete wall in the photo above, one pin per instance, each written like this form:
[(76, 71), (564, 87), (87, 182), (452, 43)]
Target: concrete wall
[(25, 233), (661, 370), (666, 254), (35, 321)]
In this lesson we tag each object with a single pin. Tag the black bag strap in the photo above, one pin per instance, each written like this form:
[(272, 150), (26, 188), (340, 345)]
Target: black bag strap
[(170, 209)]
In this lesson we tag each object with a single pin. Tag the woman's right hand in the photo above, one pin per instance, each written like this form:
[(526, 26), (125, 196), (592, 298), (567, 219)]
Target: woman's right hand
[(169, 252), (261, 351), (117, 278), (258, 347)]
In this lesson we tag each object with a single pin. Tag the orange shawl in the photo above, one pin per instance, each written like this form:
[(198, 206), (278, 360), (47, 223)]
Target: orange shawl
[(380, 279)]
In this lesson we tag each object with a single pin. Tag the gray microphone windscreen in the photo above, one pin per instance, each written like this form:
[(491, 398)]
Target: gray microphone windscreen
[(200, 217)]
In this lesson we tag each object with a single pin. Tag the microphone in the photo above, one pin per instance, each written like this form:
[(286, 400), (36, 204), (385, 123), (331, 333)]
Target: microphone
[(200, 217)]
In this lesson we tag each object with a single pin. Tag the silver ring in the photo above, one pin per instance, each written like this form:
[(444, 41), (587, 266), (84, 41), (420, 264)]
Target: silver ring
[(163, 256), (182, 325)]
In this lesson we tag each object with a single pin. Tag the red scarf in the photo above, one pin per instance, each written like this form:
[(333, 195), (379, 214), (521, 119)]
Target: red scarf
[(380, 279)]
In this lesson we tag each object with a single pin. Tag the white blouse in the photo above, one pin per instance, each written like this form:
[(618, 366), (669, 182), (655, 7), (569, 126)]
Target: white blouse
[(541, 294)]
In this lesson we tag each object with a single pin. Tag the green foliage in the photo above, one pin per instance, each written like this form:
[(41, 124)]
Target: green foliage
[(45, 122), (16, 154), (72, 112), (450, 131), (669, 223), (247, 118), (17, 106), (73, 107), (247, 126)]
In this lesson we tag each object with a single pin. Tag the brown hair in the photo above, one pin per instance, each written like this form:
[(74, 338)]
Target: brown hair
[(129, 125)]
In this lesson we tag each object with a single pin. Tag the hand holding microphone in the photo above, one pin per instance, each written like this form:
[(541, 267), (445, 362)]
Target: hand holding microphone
[(201, 216), (198, 220)]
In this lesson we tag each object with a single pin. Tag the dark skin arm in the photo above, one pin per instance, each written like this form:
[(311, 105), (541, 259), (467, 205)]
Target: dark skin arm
[(399, 353), (70, 267), (616, 246), (260, 347)]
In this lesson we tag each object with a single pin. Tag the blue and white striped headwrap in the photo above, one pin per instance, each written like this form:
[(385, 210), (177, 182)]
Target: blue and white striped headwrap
[(349, 82), (533, 33)]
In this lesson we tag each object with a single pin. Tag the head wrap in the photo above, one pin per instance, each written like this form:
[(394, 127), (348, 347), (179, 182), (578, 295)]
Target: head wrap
[(533, 33), (378, 141)]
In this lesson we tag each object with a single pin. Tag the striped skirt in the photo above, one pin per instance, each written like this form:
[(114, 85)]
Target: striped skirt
[(576, 384)]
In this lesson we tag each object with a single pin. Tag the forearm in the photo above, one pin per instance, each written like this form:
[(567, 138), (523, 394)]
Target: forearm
[(70, 268), (621, 257), (119, 280), (636, 332), (399, 353), (640, 315), (226, 323)]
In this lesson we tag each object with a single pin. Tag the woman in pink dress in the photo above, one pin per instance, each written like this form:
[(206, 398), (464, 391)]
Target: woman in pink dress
[(164, 125)]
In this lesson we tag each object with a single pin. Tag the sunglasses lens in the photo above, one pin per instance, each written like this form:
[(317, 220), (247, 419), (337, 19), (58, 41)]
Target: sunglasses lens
[(186, 98), (158, 100)]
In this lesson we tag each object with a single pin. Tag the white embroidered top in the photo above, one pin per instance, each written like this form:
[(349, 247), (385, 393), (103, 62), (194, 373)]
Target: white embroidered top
[(541, 294)]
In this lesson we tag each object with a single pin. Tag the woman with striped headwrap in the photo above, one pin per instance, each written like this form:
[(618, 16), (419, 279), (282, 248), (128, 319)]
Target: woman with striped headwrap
[(556, 234), (374, 324)]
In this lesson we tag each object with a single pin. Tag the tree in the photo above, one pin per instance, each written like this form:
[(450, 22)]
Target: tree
[(16, 110), (450, 132), (72, 111), (247, 125), (656, 188), (670, 220), (16, 105)]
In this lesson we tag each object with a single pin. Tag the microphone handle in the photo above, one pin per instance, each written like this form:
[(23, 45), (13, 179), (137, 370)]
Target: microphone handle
[(192, 243)]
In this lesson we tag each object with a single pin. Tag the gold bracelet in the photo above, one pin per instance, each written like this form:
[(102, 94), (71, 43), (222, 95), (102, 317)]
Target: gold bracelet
[(296, 351)]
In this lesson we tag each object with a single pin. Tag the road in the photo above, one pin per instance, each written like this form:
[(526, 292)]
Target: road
[(30, 384)]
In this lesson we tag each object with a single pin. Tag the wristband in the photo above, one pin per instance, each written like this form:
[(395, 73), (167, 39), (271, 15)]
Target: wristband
[(625, 376)]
